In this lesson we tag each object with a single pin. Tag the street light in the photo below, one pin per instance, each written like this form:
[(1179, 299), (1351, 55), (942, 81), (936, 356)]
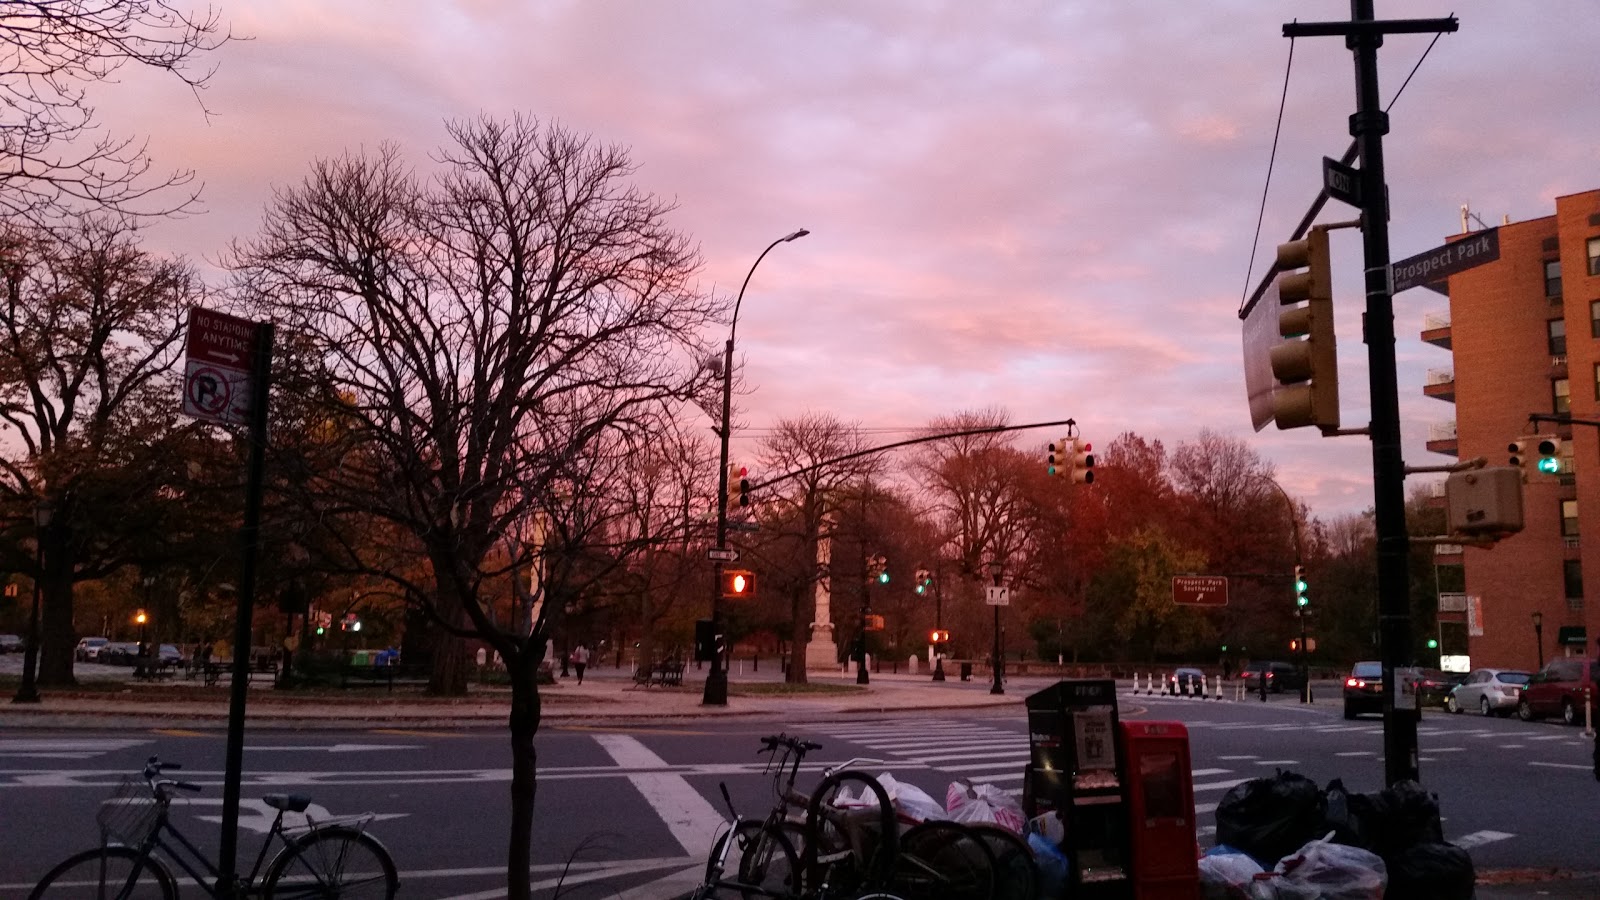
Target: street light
[(1538, 635), (716, 690), (28, 692), (997, 569)]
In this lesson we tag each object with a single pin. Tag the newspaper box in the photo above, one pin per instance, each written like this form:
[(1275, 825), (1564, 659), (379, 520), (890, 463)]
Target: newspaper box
[(1074, 780), (1161, 816)]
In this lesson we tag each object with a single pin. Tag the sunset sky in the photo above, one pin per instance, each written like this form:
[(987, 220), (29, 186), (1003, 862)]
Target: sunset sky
[(1047, 207)]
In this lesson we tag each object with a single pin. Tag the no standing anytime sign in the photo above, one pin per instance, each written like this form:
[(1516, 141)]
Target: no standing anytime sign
[(216, 371)]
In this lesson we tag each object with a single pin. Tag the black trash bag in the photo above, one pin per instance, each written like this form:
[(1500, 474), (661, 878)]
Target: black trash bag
[(1396, 819), (1270, 818), (1431, 871), (1344, 824)]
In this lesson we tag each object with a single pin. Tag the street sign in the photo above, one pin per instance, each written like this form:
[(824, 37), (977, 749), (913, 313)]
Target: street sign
[(1341, 181), (1441, 262), (1200, 590), (216, 371), (997, 596), (725, 554)]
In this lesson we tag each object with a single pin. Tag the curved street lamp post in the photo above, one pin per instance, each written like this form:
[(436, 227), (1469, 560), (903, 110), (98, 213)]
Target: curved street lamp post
[(716, 690)]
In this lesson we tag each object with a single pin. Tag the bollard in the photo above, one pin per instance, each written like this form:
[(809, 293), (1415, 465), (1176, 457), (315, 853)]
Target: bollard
[(1238, 690), (1218, 694), (1588, 714)]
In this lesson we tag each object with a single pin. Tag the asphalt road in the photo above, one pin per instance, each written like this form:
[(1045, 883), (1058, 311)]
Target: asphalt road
[(621, 808)]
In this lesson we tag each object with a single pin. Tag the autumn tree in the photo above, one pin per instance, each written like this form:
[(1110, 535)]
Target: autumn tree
[(52, 156), (500, 335), (89, 331)]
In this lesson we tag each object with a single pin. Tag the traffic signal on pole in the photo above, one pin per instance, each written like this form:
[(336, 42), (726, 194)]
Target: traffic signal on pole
[(1301, 600), (1433, 643), (924, 580), (873, 622), (1520, 449), (878, 569), (738, 486), (1307, 367), (1081, 461), (1058, 457), (738, 584), (1549, 455)]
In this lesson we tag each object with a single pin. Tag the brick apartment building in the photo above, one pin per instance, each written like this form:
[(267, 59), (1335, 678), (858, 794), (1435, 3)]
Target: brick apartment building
[(1524, 334)]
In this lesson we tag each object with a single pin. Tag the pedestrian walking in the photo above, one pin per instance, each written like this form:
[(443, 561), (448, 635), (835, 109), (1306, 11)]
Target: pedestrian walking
[(580, 660)]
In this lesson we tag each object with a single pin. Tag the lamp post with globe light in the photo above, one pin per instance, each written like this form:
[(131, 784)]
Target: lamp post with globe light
[(716, 689)]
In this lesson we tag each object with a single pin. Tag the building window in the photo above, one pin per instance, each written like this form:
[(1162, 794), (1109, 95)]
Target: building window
[(1552, 278), (1594, 318), (1558, 395), (1569, 518), (1594, 256), (1597, 381), (1572, 577), (1556, 335)]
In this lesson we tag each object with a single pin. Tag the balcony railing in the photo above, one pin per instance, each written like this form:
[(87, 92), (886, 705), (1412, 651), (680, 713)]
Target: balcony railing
[(1440, 376), (1435, 321), (1442, 431)]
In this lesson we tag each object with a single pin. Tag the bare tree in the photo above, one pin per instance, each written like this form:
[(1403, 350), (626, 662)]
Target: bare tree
[(498, 338), (807, 445), (52, 157)]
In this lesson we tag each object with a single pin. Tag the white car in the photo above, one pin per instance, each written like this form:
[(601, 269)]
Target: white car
[(89, 649), (1489, 691)]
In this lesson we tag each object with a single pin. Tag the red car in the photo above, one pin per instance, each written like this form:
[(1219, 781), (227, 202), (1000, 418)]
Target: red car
[(1559, 688)]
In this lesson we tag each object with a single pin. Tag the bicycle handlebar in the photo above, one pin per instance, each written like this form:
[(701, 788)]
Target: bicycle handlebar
[(771, 743)]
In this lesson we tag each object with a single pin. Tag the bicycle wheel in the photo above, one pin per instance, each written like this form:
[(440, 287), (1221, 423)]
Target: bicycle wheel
[(1016, 875), (336, 861), (761, 862), (849, 845), (944, 861), (107, 873)]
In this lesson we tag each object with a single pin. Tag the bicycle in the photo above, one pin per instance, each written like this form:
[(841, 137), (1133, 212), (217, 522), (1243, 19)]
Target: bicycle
[(331, 859)]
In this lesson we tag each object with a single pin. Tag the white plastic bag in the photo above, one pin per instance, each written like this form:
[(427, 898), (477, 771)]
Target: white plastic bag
[(911, 803), (1324, 871), (973, 804), (1227, 876)]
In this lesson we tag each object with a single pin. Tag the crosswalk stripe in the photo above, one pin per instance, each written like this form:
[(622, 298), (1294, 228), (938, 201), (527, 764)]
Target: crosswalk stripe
[(1011, 754), (1479, 838)]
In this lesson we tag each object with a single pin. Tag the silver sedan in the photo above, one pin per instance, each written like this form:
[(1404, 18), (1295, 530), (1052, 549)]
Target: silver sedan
[(1489, 691)]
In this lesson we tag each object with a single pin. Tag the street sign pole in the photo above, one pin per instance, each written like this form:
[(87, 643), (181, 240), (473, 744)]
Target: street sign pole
[(249, 539)]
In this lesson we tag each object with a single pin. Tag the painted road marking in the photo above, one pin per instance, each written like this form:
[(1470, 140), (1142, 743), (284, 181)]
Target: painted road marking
[(1479, 838), (1277, 762), (693, 821), (1549, 765)]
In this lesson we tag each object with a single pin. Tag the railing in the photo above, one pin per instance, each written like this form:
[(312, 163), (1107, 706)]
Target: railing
[(1447, 550), (1442, 431), (1453, 602), (1436, 489), (1570, 542), (1435, 321), (1440, 376)]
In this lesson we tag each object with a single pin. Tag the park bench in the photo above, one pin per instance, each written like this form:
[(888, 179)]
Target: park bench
[(384, 676), (666, 674)]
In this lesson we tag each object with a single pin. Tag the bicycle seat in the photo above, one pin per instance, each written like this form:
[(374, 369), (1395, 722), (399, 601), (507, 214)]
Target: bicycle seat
[(288, 802)]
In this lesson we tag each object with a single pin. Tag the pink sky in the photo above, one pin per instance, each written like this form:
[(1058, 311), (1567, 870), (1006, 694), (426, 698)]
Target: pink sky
[(1042, 206)]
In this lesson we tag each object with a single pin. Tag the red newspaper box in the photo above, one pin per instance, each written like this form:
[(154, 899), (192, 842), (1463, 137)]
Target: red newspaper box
[(1161, 821)]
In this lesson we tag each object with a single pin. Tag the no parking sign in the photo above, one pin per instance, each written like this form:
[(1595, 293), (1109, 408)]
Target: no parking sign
[(216, 372)]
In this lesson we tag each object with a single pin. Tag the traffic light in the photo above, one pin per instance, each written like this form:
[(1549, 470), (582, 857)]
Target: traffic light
[(938, 636), (924, 580), (1058, 457), (1549, 455), (873, 622), (1433, 643), (878, 569), (738, 486), (1082, 461), (1307, 370), (738, 584), (1520, 449), (1301, 601)]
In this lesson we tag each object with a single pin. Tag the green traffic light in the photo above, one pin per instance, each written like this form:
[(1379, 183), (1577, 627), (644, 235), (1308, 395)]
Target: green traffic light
[(1302, 600), (1433, 644), (1300, 586), (883, 577), (1549, 465), (922, 588)]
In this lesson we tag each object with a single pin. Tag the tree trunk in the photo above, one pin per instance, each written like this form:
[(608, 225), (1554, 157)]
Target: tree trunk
[(522, 667), (451, 661), (57, 641)]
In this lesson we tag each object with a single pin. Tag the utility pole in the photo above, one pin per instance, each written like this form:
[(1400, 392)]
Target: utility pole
[(1364, 35)]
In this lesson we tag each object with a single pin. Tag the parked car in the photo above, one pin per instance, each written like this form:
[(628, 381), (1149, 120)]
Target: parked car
[(1281, 676), (1432, 685), (1363, 689), (119, 653), (1489, 691), (11, 643), (1187, 680), (89, 649), (170, 655), (1558, 689)]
